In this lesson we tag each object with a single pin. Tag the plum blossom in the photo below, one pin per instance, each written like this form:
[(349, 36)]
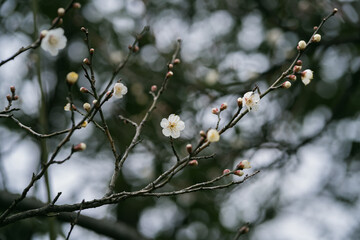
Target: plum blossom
[(120, 90), (172, 126), (53, 41), (213, 135), (251, 101), (307, 76)]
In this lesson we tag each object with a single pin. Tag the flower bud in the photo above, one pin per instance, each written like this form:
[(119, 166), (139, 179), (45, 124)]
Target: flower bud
[(215, 111), (203, 134), (316, 38), (16, 97), (189, 148), (94, 101), (335, 10), (170, 66), (84, 124), (292, 77), (60, 21), (92, 51), (226, 171), (76, 5), (302, 45), (43, 34), (83, 29), (72, 78), (193, 163), (223, 106), (244, 164), (286, 84), (9, 98), (79, 147), (109, 94), (129, 47), (153, 88), (12, 89), (61, 12), (169, 74), (239, 173), (315, 27), (136, 49), (87, 107), (239, 102), (299, 62), (176, 61), (84, 90), (296, 68), (86, 61)]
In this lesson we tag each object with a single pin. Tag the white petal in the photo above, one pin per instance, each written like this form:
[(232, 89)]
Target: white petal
[(174, 118), (164, 123), (166, 132), (306, 81), (256, 97), (175, 134), (180, 126), (248, 95)]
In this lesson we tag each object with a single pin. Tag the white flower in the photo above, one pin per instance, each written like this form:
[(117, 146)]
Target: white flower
[(53, 41), (251, 101), (307, 76), (244, 164), (317, 38), (120, 90), (213, 135), (172, 126), (67, 107)]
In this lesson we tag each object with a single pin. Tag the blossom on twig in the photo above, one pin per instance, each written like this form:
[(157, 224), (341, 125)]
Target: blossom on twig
[(213, 135), (120, 90), (172, 126), (53, 41), (251, 101), (307, 76)]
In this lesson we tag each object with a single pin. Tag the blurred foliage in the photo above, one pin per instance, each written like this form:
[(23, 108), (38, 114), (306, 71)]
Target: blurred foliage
[(228, 47)]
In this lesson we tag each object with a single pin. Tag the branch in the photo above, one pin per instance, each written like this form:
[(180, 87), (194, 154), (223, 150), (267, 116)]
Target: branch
[(111, 229), (37, 42)]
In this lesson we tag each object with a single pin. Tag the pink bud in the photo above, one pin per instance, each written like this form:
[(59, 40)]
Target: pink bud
[(12, 89), (292, 77), (215, 111), (189, 148), (297, 68), (193, 163), (84, 90), (299, 62), (239, 173), (86, 61), (223, 106), (239, 102), (226, 171), (76, 5), (286, 84), (170, 66), (176, 61), (203, 134), (169, 74), (92, 51), (153, 88), (79, 147)]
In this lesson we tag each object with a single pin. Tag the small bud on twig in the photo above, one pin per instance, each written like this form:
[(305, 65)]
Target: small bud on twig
[(9, 98), (239, 173), (136, 49), (302, 45), (177, 61), (193, 163), (239, 102), (189, 148), (296, 68), (92, 51), (316, 38), (83, 29), (61, 12), (226, 171), (87, 107), (12, 89), (215, 111), (71, 78), (76, 5), (16, 97), (286, 84), (202, 133), (84, 90), (86, 61), (292, 77), (170, 66), (299, 63), (79, 147), (169, 74), (153, 88), (223, 106)]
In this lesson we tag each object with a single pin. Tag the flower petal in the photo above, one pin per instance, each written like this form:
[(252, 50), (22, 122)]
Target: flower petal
[(166, 132), (164, 123)]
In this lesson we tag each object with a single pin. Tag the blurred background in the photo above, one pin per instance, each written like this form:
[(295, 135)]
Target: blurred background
[(305, 140)]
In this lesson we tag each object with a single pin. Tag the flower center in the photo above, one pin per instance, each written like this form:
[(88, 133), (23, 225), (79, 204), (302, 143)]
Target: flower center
[(172, 125), (53, 40)]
